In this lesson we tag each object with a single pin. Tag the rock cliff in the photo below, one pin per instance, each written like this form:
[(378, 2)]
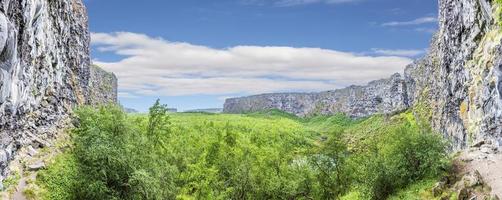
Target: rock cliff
[(456, 87), (102, 86), (44, 71), (459, 83), (381, 96)]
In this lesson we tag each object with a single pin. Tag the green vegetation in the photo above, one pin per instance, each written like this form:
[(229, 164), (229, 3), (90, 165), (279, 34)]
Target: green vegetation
[(11, 181), (498, 12), (266, 155), (416, 191)]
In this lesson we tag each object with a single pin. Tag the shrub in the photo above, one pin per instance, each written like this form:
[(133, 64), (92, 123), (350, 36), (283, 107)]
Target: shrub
[(402, 156), (119, 160)]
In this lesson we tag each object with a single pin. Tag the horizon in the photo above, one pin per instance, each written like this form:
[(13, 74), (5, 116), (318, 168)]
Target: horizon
[(199, 53)]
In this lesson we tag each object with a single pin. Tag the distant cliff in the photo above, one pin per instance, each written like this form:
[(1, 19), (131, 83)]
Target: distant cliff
[(381, 96), (457, 86), (102, 86), (44, 71)]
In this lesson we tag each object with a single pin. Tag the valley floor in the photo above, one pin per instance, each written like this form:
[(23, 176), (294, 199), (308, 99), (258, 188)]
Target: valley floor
[(265, 155)]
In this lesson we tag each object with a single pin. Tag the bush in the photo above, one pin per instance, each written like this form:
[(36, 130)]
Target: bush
[(402, 156), (117, 159), (61, 179), (333, 173)]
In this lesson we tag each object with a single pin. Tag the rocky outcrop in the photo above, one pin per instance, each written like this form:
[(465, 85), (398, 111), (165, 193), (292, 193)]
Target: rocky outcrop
[(459, 83), (102, 86), (381, 96), (456, 87), (44, 71)]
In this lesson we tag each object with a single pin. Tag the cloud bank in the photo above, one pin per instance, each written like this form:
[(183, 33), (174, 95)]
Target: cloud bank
[(157, 67)]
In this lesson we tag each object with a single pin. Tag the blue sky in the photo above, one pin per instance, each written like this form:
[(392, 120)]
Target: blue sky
[(195, 53)]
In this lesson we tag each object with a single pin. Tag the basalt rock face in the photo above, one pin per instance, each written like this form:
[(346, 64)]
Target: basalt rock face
[(44, 70), (102, 86), (381, 96), (296, 103), (456, 87), (459, 82)]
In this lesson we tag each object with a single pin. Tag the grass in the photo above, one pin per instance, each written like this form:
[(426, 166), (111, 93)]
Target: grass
[(12, 180), (417, 191)]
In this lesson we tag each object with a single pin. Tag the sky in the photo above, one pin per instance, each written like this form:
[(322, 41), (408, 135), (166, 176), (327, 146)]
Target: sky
[(194, 54)]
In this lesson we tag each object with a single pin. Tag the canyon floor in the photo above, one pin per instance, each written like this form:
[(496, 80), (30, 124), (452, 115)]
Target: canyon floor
[(486, 160)]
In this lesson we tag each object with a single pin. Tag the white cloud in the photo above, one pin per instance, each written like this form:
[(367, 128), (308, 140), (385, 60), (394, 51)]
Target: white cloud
[(156, 67), (422, 20), (426, 30), (399, 52), (302, 2), (127, 95), (287, 3)]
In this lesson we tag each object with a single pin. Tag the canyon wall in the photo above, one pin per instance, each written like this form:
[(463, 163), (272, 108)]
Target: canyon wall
[(102, 86), (44, 71), (381, 96), (456, 87)]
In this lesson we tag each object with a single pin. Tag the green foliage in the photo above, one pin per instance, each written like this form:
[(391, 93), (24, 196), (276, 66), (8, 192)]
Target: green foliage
[(335, 175), (416, 191), (401, 155), (498, 12), (112, 159), (61, 179), (266, 155), (273, 114), (330, 124), (158, 124)]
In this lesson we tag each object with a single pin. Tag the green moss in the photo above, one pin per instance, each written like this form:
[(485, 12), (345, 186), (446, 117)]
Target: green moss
[(12, 180)]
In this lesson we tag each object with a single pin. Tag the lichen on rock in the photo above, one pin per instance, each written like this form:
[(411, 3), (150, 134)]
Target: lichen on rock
[(461, 73)]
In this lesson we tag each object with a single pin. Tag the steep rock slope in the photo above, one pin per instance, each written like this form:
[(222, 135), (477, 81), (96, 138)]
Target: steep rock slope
[(44, 70), (381, 96), (457, 86), (102, 86), (459, 82)]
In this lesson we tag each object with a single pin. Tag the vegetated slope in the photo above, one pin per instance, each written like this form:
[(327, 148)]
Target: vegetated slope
[(268, 155)]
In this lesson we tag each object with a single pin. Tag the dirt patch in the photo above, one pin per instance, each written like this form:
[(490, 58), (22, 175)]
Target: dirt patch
[(487, 160), (25, 167)]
